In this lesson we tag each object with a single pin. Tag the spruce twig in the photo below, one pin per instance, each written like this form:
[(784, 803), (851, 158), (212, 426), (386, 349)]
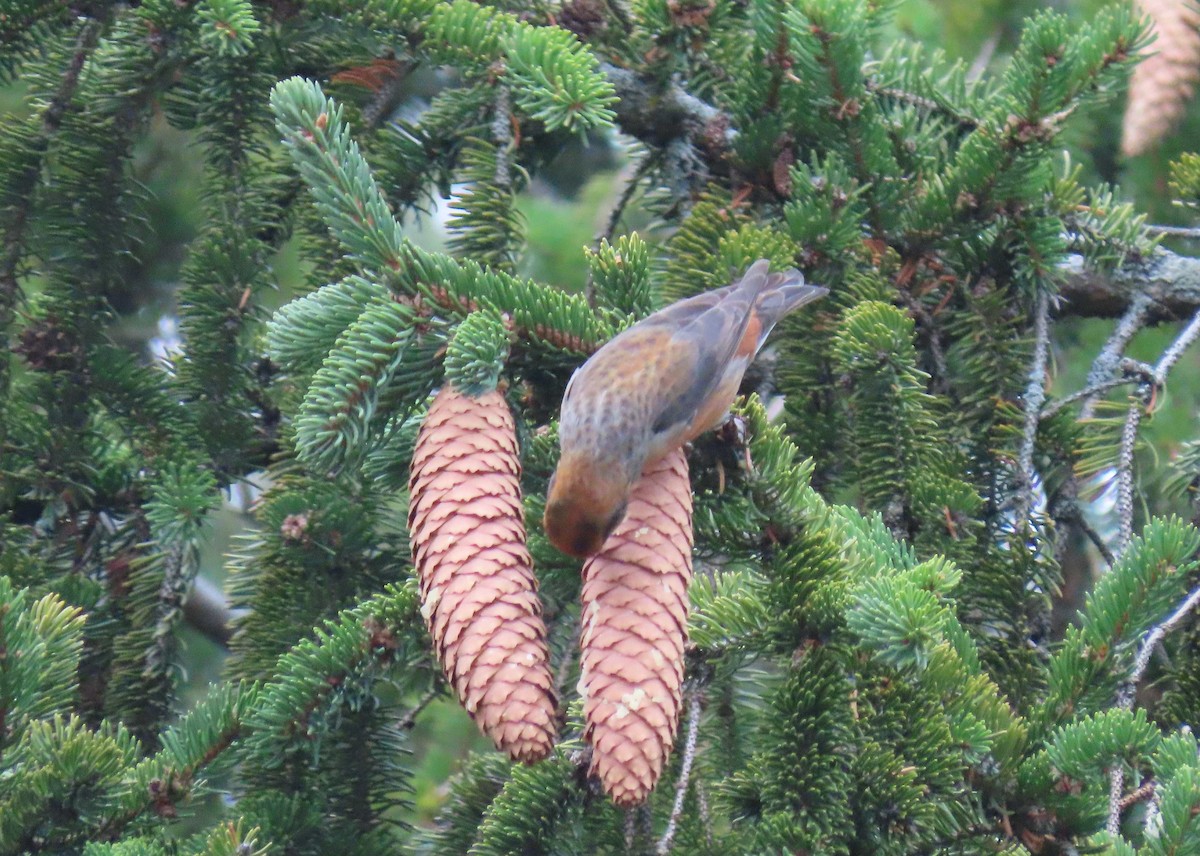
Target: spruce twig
[(1125, 697), (627, 194), (1110, 354), (85, 42), (1192, 232), (1169, 281), (1141, 794), (1125, 468), (1172, 354), (685, 770), (409, 720), (1131, 370), (1158, 377), (614, 218), (704, 811), (1035, 397), (563, 670), (621, 11), (207, 611)]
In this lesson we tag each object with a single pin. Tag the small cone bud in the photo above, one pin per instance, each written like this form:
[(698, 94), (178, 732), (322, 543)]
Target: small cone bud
[(478, 592), (635, 608)]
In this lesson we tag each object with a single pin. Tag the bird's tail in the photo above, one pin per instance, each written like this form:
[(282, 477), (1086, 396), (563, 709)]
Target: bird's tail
[(785, 292)]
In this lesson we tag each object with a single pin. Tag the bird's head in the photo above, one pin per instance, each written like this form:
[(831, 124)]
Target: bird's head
[(584, 504)]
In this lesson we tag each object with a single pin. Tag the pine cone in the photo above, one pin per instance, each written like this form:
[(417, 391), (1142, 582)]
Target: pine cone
[(635, 608), (478, 591), (1162, 84)]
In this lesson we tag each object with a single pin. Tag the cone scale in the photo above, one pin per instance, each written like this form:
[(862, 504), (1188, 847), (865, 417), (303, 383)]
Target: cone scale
[(635, 609), (1163, 83), (478, 592)]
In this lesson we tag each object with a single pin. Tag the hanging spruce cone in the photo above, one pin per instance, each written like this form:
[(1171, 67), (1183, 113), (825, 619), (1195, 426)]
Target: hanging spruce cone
[(478, 592), (1163, 83), (635, 608)]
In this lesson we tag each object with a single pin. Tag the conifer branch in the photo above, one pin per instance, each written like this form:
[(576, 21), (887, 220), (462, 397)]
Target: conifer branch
[(1191, 232), (1110, 354), (207, 611), (22, 191), (1157, 377), (685, 771), (1131, 370), (1125, 698), (1035, 397), (1133, 419), (1169, 282), (656, 115), (409, 720), (1172, 354), (704, 811)]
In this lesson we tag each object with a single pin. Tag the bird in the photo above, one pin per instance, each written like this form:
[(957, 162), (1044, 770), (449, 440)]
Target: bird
[(655, 386)]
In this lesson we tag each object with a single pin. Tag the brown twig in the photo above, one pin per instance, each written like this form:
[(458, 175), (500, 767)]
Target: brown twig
[(409, 720)]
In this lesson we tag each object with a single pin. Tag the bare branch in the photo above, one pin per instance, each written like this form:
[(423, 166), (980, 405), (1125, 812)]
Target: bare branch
[(1174, 231), (1035, 397), (685, 771), (1170, 283), (1172, 354), (1125, 697), (1116, 787), (1109, 357), (1131, 371), (1125, 472), (207, 611), (657, 115), (705, 813), (1158, 377), (409, 720), (502, 136), (1151, 641)]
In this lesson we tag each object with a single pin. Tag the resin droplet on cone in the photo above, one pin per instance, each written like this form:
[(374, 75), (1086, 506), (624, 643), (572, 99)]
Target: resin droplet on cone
[(478, 592), (635, 609)]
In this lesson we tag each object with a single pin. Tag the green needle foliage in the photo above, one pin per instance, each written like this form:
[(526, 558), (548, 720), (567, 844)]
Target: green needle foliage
[(919, 623)]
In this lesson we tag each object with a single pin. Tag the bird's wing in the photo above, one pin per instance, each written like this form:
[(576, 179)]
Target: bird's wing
[(708, 329)]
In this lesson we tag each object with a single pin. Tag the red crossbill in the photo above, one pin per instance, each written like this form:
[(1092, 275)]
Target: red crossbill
[(657, 385)]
